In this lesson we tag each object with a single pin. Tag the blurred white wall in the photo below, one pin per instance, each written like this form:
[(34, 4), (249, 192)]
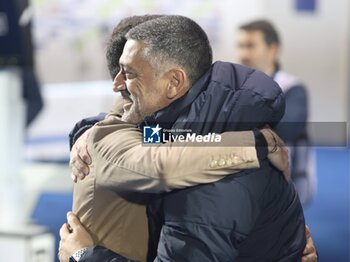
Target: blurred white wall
[(65, 104), (316, 48), (233, 14), (70, 37)]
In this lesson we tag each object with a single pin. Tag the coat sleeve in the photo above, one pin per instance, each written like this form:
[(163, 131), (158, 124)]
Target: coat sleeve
[(98, 254), (121, 161)]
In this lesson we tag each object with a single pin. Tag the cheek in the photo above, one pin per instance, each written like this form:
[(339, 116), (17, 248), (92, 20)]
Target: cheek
[(142, 98), (131, 88), (150, 101), (161, 99), (135, 89)]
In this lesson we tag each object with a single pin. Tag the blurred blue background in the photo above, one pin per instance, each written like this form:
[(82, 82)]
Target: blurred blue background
[(328, 214)]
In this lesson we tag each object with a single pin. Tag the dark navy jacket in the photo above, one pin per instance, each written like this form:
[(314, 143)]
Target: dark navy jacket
[(253, 216)]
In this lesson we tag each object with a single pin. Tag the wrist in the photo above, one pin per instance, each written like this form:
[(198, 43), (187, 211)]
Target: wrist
[(77, 255)]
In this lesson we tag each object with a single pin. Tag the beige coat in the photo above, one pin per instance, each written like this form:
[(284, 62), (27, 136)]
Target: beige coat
[(111, 200)]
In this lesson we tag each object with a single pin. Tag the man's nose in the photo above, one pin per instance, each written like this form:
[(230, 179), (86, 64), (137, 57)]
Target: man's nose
[(119, 82)]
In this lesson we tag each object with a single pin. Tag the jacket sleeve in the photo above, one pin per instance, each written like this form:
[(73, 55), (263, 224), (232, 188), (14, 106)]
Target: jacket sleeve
[(121, 161), (98, 254)]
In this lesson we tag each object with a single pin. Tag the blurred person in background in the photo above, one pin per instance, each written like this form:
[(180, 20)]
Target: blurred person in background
[(17, 52), (259, 47)]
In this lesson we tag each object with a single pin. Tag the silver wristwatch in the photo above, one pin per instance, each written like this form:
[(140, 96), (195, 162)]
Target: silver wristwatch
[(78, 254)]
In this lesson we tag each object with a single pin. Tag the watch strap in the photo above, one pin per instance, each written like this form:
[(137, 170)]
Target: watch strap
[(78, 254)]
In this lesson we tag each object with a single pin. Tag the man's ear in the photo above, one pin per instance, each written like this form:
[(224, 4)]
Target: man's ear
[(178, 83)]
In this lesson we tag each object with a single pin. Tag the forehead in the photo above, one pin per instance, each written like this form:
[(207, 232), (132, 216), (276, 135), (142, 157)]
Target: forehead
[(132, 53), (254, 35)]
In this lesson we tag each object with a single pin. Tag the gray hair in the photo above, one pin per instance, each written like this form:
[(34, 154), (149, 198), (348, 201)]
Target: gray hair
[(117, 40), (175, 41)]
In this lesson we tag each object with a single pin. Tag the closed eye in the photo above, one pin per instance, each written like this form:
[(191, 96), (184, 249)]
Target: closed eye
[(128, 75)]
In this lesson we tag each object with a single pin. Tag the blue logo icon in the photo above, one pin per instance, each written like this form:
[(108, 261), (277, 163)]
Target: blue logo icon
[(151, 134)]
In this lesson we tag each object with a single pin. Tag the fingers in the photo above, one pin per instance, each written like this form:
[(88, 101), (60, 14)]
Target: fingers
[(278, 139), (307, 232), (84, 154), (285, 163), (286, 174), (79, 168), (310, 247), (80, 158), (64, 230), (309, 258), (74, 178), (82, 147), (73, 221), (309, 253), (278, 152), (274, 142), (62, 254), (280, 160)]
